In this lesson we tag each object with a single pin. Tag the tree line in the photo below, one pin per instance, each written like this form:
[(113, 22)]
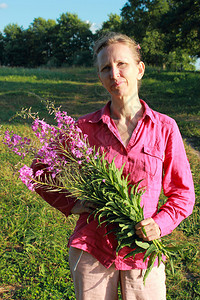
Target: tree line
[(167, 31)]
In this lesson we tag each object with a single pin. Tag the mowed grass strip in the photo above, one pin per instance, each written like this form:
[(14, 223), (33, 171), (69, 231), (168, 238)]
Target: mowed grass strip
[(34, 236)]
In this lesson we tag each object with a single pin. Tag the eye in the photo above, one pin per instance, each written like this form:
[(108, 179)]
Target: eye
[(105, 69), (121, 64)]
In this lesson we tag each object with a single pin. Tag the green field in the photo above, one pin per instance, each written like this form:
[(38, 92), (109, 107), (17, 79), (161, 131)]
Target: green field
[(33, 239)]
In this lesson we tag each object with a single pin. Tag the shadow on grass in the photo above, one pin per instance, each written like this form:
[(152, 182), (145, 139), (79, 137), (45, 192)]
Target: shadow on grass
[(79, 92)]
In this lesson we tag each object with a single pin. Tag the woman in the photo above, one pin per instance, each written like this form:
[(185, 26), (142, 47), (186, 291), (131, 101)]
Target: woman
[(150, 144)]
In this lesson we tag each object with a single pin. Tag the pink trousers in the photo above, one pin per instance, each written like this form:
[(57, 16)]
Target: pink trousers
[(93, 281)]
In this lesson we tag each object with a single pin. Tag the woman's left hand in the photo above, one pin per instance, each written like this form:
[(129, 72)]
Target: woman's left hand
[(150, 227)]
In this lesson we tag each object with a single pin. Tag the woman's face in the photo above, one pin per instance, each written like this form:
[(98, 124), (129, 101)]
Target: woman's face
[(118, 70)]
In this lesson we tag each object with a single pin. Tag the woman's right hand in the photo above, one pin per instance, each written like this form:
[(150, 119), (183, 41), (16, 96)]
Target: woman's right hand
[(82, 207)]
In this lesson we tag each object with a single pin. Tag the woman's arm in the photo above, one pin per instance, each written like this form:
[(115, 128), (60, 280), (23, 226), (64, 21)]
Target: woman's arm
[(178, 185), (61, 201)]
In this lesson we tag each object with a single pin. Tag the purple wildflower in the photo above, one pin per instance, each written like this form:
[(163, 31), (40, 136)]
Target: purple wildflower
[(26, 175), (96, 156), (77, 153), (80, 144), (35, 125), (39, 173), (16, 143), (89, 151), (57, 144)]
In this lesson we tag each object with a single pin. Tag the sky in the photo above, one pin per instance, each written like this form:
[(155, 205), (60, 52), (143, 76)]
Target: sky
[(23, 12)]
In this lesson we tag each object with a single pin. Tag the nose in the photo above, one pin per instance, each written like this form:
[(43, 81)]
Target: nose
[(114, 72)]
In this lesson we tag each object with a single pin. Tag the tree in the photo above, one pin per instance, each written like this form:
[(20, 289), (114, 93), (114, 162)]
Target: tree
[(135, 18), (114, 23), (1, 48), (40, 36), (153, 48), (15, 50), (163, 27), (181, 23), (140, 20), (140, 16), (179, 60), (74, 40), (46, 42)]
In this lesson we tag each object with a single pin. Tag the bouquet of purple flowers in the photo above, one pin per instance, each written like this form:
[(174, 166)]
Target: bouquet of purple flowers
[(66, 162)]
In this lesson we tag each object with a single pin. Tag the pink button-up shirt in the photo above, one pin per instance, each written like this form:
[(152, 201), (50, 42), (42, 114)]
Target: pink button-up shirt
[(155, 154)]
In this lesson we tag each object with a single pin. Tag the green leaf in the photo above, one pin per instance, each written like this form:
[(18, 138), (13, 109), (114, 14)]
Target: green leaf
[(172, 249), (144, 231), (171, 265), (150, 265), (141, 244), (159, 258), (149, 251), (134, 252), (131, 233)]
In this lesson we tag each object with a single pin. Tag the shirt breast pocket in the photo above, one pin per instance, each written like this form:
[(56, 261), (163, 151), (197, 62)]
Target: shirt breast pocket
[(153, 160)]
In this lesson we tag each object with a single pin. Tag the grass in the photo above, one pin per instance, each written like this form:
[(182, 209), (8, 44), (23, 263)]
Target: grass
[(33, 239)]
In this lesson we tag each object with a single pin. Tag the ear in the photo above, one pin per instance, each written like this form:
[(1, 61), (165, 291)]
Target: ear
[(141, 68)]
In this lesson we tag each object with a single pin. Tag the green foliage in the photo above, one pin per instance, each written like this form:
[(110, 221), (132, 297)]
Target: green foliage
[(47, 42), (113, 23), (153, 46), (14, 50), (74, 40), (39, 37), (181, 23), (135, 18), (162, 27), (179, 60), (103, 184), (1, 48)]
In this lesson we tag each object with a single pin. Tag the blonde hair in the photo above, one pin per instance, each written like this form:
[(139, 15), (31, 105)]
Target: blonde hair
[(113, 38)]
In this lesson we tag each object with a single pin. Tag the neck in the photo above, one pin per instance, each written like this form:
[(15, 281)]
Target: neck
[(125, 108)]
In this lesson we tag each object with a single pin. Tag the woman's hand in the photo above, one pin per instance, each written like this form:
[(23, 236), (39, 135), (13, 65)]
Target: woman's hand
[(82, 207), (150, 227)]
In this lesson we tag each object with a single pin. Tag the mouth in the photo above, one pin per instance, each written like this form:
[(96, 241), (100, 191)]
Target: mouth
[(116, 84)]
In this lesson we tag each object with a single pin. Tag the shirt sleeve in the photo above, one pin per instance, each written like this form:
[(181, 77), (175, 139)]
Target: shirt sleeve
[(178, 185), (64, 202)]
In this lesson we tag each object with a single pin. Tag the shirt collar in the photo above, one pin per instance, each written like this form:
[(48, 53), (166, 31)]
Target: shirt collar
[(104, 113), (148, 111)]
